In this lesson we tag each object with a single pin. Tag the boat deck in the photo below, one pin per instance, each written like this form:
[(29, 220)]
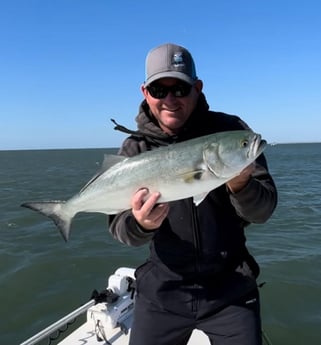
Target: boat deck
[(86, 335)]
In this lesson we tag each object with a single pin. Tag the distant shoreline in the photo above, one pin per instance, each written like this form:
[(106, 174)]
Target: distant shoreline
[(117, 148)]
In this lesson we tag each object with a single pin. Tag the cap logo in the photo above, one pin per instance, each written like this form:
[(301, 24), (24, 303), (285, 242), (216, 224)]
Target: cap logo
[(178, 60)]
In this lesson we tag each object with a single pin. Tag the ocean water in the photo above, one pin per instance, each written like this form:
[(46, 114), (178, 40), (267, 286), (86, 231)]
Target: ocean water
[(42, 278)]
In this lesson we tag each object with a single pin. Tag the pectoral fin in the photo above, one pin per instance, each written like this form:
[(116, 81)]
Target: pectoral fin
[(193, 176)]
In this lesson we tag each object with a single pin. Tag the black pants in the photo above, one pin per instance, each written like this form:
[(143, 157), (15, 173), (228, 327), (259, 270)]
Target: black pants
[(236, 324)]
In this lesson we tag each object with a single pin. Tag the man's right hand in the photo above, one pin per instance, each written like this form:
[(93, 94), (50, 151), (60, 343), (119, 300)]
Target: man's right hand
[(148, 214)]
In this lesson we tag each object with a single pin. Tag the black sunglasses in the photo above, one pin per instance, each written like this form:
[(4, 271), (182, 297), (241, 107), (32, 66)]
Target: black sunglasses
[(160, 91)]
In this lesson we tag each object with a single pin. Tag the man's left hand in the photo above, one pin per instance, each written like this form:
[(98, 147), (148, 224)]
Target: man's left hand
[(240, 181)]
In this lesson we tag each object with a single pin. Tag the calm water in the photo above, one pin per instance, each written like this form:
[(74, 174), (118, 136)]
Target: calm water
[(42, 278)]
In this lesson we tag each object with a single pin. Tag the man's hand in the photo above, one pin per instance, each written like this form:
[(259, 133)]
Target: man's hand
[(240, 181), (147, 214)]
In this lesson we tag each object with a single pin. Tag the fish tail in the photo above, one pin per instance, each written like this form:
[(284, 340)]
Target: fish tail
[(55, 211)]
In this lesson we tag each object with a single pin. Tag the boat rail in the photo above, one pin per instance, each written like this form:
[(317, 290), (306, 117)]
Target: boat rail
[(45, 333)]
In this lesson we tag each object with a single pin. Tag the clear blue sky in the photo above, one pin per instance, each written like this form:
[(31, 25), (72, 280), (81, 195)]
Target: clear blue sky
[(68, 66)]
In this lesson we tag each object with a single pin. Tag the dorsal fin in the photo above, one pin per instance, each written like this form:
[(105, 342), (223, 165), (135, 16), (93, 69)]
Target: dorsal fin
[(108, 162)]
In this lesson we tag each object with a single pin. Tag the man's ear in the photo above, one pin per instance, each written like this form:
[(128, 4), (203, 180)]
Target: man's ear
[(144, 90), (198, 86)]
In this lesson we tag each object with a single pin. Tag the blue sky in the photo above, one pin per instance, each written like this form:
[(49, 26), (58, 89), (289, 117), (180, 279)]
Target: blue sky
[(68, 66)]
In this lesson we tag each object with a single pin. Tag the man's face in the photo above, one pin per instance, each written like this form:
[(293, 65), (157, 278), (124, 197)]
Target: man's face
[(171, 111)]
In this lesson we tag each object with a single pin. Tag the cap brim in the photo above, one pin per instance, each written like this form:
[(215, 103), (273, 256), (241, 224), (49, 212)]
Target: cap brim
[(170, 74)]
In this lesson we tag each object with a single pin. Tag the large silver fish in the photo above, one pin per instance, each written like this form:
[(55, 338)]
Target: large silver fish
[(188, 169)]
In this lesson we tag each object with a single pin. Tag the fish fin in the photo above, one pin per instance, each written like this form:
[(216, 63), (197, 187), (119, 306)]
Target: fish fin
[(197, 199), (108, 162), (55, 211), (192, 176)]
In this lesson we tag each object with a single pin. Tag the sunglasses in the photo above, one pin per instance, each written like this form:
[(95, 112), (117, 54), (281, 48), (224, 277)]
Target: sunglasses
[(160, 91)]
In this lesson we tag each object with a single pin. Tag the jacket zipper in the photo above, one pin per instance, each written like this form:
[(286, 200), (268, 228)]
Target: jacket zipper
[(196, 239)]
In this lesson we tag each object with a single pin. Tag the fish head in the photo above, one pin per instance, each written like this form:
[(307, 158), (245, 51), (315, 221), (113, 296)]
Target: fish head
[(230, 152)]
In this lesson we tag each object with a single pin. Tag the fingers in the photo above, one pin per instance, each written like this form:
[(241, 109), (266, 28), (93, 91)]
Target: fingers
[(240, 181), (141, 202), (146, 211), (248, 170)]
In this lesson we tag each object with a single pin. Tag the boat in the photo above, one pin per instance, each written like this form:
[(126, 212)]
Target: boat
[(109, 316)]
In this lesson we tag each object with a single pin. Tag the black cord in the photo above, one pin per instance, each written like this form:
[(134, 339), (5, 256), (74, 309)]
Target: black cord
[(60, 331)]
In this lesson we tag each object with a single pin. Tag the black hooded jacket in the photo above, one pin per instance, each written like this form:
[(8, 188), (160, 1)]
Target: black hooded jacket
[(197, 243)]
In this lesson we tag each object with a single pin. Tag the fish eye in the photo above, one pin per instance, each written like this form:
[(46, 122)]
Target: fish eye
[(244, 143)]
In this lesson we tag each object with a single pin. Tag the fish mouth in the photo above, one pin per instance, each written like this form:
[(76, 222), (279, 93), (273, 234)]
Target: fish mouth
[(257, 146)]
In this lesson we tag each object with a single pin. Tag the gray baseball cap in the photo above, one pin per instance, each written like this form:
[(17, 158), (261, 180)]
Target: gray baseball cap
[(170, 60)]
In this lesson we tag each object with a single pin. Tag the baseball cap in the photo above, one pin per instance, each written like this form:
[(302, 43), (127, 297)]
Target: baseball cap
[(170, 60)]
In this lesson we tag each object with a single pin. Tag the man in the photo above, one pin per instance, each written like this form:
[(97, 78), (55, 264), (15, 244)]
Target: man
[(199, 273)]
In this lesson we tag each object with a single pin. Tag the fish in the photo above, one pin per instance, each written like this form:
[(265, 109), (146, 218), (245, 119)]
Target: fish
[(188, 169)]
